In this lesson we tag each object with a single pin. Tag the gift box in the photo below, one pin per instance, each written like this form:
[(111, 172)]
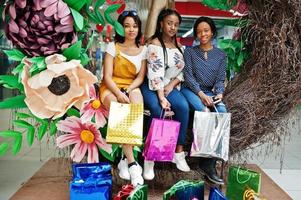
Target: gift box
[(124, 192), (185, 190), (216, 194), (139, 193), (91, 181)]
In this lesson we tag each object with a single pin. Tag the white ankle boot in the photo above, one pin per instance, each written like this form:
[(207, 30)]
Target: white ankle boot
[(148, 170)]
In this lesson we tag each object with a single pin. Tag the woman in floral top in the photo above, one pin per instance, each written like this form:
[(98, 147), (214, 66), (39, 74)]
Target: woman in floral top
[(165, 63)]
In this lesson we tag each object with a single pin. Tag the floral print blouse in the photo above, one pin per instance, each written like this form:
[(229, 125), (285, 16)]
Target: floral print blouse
[(160, 75)]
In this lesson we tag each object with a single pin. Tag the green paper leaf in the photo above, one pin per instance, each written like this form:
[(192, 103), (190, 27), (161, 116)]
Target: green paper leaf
[(14, 54), (119, 28), (99, 17), (73, 112), (110, 156), (13, 102), (53, 128), (84, 59), (17, 139), (78, 19), (40, 62), (23, 115), (12, 81), (91, 16), (240, 58), (75, 4), (73, 52), (42, 130), (3, 149), (112, 8), (29, 127), (99, 3), (108, 18), (18, 69)]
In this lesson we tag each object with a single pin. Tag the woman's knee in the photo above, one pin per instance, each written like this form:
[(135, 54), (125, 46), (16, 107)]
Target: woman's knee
[(136, 96)]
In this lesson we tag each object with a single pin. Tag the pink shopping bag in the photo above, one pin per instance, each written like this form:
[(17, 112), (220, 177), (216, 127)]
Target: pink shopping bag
[(161, 140)]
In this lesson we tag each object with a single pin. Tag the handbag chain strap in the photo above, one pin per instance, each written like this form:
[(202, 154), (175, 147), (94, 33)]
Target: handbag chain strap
[(239, 181)]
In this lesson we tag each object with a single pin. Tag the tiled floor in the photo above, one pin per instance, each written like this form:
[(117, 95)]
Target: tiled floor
[(15, 170)]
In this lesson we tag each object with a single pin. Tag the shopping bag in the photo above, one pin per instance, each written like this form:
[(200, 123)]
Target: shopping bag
[(216, 194), (125, 124), (139, 193), (91, 181), (124, 192), (185, 190), (161, 140), (239, 180), (211, 134), (250, 194)]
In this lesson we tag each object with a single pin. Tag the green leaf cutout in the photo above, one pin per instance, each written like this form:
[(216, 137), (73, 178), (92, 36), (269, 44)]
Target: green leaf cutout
[(73, 112), (18, 69), (12, 81), (14, 54), (53, 128), (119, 28), (112, 8), (3, 149), (99, 3), (13, 102), (17, 139), (29, 127), (23, 115), (78, 19), (73, 51), (75, 4)]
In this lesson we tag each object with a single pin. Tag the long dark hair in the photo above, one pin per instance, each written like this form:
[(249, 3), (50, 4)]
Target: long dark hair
[(158, 34), (121, 18)]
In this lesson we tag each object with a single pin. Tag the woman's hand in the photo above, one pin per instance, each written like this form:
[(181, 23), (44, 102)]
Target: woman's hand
[(207, 100), (165, 103), (122, 98), (219, 96), (167, 89)]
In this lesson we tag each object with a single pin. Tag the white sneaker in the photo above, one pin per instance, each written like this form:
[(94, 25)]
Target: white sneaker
[(179, 160), (148, 170), (123, 169), (136, 175)]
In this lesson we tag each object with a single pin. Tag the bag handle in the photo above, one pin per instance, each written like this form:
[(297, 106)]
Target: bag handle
[(163, 116), (237, 175)]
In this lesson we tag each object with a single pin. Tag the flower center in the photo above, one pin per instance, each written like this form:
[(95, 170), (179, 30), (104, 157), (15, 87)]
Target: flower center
[(87, 136), (59, 85), (95, 104)]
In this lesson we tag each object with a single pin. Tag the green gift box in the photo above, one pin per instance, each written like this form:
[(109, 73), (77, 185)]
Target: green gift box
[(139, 193), (241, 179), (185, 190)]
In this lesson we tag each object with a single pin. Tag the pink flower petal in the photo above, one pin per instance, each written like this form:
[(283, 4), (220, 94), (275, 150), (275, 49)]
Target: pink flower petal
[(63, 9), (67, 20), (37, 5), (46, 3), (106, 147), (93, 154), (67, 139), (12, 11), (21, 3), (79, 151), (92, 92), (63, 28), (50, 10), (87, 116), (13, 27), (85, 108), (100, 118), (70, 125)]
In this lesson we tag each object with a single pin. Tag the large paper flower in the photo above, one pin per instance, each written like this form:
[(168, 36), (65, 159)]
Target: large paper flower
[(85, 136), (39, 27), (53, 91), (93, 108)]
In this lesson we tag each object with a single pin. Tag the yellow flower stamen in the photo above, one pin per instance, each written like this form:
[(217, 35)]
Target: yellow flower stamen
[(96, 104), (87, 136)]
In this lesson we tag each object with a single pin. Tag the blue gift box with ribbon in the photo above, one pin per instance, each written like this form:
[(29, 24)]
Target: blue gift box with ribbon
[(91, 181)]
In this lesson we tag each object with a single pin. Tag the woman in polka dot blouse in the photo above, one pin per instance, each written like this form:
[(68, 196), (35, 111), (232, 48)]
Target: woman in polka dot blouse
[(204, 74)]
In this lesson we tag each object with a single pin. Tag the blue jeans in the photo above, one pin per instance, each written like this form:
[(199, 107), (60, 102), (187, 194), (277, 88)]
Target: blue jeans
[(196, 103), (178, 103)]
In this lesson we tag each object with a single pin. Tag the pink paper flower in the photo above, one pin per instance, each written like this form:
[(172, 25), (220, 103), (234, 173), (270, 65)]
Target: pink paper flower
[(94, 108), (85, 136)]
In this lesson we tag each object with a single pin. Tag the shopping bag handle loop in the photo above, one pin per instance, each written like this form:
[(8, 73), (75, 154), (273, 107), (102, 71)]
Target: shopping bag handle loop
[(240, 181), (163, 114)]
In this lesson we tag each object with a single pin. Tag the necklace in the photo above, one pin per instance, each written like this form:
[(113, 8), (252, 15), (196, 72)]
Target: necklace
[(206, 52)]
